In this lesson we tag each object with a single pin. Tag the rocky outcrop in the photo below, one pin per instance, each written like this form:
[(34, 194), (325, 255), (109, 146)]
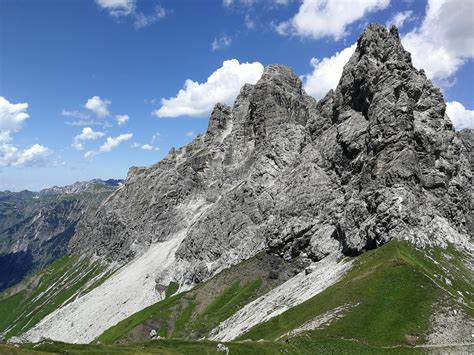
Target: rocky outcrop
[(376, 159)]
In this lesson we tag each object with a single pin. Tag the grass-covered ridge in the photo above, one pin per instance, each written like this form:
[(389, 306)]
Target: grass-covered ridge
[(26, 304), (186, 347), (392, 290), (388, 297)]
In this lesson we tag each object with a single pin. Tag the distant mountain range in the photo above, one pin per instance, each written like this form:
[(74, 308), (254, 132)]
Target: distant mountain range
[(35, 227)]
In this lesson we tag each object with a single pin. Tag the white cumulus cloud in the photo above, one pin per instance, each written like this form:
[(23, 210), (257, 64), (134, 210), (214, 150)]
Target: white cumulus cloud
[(99, 106), (12, 115), (445, 39), (117, 8), (459, 115), (128, 8), (36, 155), (90, 154), (328, 18), (197, 99), (113, 142), (110, 144), (148, 147), (86, 134), (326, 72), (121, 119)]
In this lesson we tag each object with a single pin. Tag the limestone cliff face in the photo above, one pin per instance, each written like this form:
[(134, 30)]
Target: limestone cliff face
[(375, 159)]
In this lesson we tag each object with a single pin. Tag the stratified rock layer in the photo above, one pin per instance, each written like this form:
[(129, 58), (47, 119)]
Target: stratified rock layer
[(375, 159)]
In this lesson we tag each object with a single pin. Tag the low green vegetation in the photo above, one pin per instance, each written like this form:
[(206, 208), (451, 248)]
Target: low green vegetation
[(387, 297), (179, 316), (171, 289), (22, 307), (225, 305), (177, 346), (390, 293)]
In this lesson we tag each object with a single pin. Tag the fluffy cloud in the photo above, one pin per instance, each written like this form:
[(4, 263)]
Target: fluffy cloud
[(12, 115), (444, 41), (328, 18), (459, 115), (89, 134), (399, 19), (190, 134), (90, 154), (36, 155), (86, 134), (222, 42), (121, 119), (117, 8), (326, 72), (197, 99), (110, 144), (147, 147), (124, 8), (113, 142), (98, 106)]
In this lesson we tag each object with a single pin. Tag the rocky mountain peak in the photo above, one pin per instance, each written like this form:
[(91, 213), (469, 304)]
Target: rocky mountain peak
[(376, 159), (382, 45), (281, 76)]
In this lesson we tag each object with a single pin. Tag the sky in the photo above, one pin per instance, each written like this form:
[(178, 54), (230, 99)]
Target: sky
[(89, 88)]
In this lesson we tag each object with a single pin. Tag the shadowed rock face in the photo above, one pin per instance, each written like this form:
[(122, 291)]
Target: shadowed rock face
[(375, 159)]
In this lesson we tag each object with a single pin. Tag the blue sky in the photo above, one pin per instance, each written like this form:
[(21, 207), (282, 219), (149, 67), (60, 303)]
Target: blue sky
[(71, 70)]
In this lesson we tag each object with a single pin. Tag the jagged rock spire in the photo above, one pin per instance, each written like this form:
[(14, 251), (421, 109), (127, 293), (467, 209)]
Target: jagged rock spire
[(376, 159)]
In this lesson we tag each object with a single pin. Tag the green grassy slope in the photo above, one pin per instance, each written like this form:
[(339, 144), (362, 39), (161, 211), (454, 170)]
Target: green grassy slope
[(24, 305), (388, 295), (392, 291), (387, 298), (177, 346)]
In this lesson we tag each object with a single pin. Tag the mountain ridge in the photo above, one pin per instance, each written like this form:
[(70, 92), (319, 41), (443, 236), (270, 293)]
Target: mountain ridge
[(35, 227), (375, 160)]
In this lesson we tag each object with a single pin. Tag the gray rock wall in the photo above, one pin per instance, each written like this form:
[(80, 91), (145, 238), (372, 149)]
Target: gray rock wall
[(375, 159)]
